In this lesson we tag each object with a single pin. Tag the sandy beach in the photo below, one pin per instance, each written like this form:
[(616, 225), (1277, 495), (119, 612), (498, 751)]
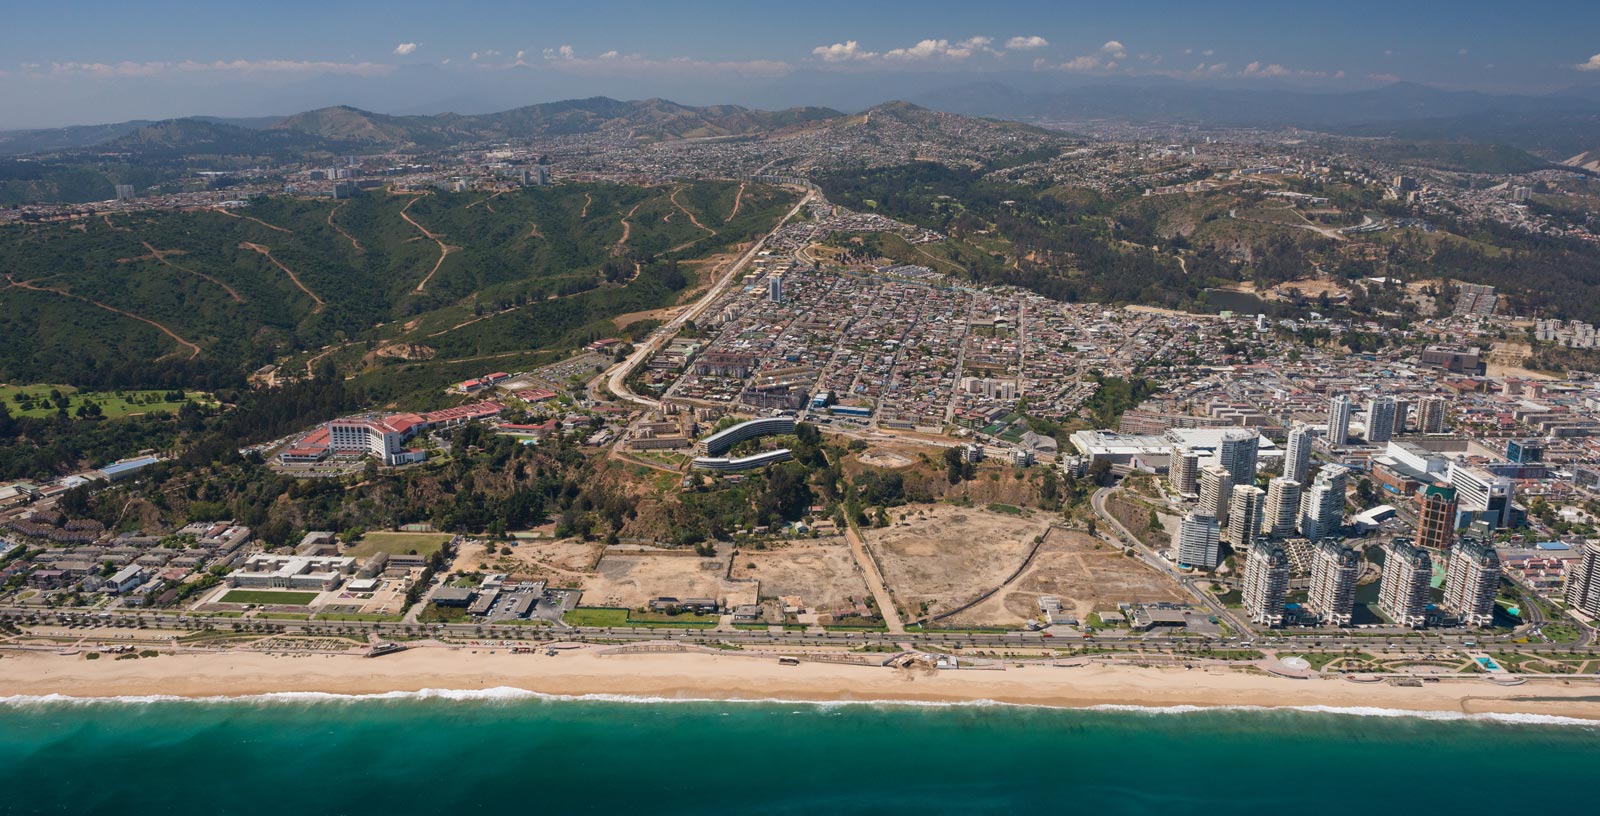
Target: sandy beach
[(740, 677)]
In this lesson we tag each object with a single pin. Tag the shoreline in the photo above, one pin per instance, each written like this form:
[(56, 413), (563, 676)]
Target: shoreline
[(487, 674)]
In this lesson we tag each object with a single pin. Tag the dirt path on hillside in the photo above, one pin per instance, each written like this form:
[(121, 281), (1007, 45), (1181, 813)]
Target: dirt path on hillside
[(253, 218), (444, 249), (161, 255), (194, 350), (685, 210), (587, 200), (287, 271), (627, 227), (738, 199), (340, 230)]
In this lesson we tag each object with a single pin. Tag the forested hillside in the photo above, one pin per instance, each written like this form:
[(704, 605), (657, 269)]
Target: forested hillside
[(201, 298)]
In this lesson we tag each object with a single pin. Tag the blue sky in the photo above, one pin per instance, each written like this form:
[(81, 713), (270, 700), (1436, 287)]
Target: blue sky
[(85, 62)]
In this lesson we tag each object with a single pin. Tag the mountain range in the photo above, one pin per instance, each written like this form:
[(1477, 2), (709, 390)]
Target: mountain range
[(343, 128), (1555, 126)]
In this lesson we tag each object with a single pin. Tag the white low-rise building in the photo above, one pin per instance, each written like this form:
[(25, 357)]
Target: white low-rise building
[(320, 573)]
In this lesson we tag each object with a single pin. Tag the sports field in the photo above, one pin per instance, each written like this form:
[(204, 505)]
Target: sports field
[(399, 544), (274, 597)]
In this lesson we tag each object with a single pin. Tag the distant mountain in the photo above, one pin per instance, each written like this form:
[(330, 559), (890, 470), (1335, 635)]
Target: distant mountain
[(342, 128), (208, 137)]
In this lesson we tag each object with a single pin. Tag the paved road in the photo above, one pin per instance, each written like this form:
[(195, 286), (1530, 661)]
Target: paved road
[(874, 579), (615, 378)]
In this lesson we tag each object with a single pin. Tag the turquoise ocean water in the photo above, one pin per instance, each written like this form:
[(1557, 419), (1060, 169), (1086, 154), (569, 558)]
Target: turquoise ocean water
[(518, 755)]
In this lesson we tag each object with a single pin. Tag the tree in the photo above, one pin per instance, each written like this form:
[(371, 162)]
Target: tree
[(953, 462)]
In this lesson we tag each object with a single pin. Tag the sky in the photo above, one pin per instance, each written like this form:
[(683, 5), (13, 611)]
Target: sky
[(72, 62)]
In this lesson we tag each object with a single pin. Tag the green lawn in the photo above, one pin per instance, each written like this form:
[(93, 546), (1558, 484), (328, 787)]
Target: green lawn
[(434, 613), (113, 404), (276, 597), (607, 616), (424, 544), (596, 616)]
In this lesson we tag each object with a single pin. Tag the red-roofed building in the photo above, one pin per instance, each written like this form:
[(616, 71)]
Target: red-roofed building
[(535, 395)]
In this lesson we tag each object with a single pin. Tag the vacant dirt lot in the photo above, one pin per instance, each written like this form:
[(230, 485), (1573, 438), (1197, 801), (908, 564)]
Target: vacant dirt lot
[(821, 572), (944, 556), (561, 561), (632, 580), (1088, 575)]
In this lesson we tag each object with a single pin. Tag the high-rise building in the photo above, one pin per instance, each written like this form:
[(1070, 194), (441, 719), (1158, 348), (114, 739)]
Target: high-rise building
[(1281, 516), (775, 288), (1436, 517), (1583, 580), (1244, 516), (1403, 590), (1471, 581), (1380, 420), (1431, 415), (1237, 452), (1184, 473), (1334, 568), (1322, 506), (1338, 421), (1525, 451), (1402, 415), (1487, 496), (1216, 491), (1266, 582), (1198, 541), (1297, 457), (124, 192)]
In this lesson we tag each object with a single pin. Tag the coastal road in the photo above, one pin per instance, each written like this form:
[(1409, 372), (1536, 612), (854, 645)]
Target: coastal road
[(83, 624), (615, 378)]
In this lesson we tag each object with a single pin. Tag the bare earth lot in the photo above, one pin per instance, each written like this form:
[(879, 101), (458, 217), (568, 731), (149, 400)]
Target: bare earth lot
[(1088, 575), (561, 561), (950, 555), (631, 580), (821, 572)]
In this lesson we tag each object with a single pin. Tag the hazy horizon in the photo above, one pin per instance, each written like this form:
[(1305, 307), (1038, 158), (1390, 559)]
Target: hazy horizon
[(95, 63)]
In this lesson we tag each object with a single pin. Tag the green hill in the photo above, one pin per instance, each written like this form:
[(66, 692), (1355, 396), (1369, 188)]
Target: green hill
[(199, 299)]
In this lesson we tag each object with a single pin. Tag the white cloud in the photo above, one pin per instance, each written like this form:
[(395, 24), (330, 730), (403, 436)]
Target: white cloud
[(1260, 70), (565, 52), (842, 52), (926, 49), (1114, 48), (1461, 52), (1088, 62), (474, 56), (520, 55), (1593, 64), (1026, 43), (941, 50), (612, 54), (405, 48), (125, 69)]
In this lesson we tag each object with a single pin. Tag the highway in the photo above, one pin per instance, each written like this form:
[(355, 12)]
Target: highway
[(84, 623), (615, 377)]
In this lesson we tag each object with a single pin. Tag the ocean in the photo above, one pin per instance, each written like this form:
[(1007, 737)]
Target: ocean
[(506, 752)]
